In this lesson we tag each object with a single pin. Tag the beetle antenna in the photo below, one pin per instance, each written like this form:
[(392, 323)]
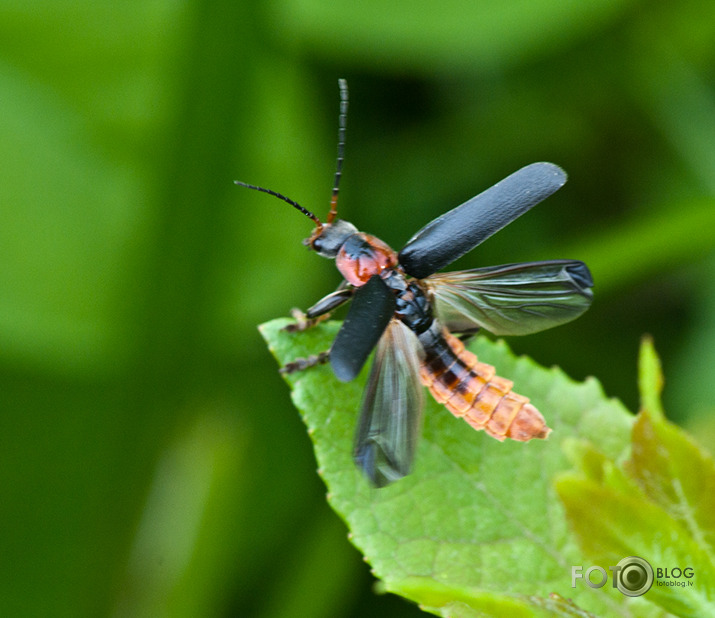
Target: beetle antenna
[(342, 123), (305, 211)]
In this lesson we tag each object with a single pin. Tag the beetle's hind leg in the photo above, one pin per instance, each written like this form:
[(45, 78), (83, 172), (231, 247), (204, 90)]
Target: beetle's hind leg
[(467, 336), (301, 364)]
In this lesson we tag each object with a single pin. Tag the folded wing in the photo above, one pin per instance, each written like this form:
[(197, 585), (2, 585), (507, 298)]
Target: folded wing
[(371, 310)]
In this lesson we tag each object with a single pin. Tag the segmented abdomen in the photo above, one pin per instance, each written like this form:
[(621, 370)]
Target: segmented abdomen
[(471, 390)]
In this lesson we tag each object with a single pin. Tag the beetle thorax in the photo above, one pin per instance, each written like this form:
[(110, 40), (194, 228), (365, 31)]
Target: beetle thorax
[(361, 256)]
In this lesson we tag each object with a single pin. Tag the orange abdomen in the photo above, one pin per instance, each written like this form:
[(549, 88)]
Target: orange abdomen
[(471, 390)]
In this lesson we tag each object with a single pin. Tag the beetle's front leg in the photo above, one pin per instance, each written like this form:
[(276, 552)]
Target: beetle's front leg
[(317, 313), (321, 310), (302, 321)]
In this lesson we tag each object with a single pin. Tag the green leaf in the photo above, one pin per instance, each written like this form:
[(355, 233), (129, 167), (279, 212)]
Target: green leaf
[(660, 505), (612, 524), (650, 378), (677, 474), (478, 523), (672, 470)]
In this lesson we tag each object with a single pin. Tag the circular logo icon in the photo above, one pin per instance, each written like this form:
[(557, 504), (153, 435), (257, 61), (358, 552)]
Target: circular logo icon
[(635, 577)]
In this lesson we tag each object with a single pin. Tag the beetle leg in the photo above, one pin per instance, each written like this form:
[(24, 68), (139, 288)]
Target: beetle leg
[(301, 364), (319, 311), (467, 335), (302, 321)]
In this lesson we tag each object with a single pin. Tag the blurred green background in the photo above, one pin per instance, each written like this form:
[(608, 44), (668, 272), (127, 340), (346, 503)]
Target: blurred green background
[(151, 463)]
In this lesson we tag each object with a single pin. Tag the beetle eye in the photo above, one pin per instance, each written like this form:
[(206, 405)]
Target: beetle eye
[(316, 243)]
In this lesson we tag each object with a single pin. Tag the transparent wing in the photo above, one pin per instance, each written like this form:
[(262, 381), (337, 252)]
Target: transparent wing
[(391, 412), (513, 299)]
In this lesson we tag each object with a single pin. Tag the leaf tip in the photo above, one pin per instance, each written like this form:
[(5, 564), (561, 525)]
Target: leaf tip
[(650, 378)]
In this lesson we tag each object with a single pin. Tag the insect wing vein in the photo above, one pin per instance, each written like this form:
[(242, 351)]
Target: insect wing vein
[(513, 299)]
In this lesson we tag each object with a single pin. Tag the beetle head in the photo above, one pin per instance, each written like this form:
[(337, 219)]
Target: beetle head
[(327, 239)]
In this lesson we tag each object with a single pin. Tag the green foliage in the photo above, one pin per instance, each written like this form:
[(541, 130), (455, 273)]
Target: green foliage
[(660, 504), (150, 461), (491, 527)]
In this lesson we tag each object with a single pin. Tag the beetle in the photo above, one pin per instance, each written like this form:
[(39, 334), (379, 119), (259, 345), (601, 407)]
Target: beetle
[(407, 311)]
